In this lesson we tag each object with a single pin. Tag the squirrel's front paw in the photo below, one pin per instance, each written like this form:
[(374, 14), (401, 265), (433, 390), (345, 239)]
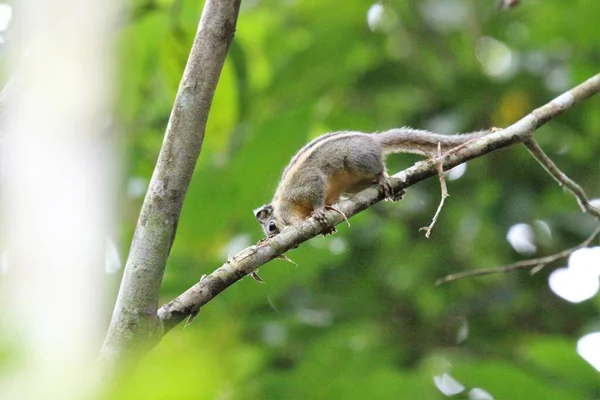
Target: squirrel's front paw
[(328, 231), (398, 195), (319, 215)]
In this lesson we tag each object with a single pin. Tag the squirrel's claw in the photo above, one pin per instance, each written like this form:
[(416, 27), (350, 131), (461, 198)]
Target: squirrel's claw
[(319, 215), (398, 195), (385, 187)]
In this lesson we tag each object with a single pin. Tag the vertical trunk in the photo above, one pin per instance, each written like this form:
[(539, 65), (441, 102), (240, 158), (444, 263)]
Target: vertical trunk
[(134, 325)]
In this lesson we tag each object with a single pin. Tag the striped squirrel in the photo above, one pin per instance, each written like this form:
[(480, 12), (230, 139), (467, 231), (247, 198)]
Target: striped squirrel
[(340, 163)]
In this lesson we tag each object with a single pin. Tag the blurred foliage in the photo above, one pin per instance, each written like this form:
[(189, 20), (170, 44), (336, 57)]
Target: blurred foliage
[(360, 316)]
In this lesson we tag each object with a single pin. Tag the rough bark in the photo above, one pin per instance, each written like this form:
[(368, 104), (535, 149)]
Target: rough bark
[(134, 324)]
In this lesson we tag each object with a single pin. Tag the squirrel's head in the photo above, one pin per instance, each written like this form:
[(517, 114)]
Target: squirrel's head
[(264, 216)]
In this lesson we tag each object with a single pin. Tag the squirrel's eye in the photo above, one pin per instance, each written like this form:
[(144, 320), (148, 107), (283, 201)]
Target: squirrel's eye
[(272, 227)]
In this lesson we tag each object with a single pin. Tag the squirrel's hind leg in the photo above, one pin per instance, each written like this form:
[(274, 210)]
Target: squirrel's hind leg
[(385, 187)]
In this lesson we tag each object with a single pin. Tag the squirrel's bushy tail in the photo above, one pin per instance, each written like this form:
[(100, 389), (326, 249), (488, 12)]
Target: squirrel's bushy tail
[(417, 141)]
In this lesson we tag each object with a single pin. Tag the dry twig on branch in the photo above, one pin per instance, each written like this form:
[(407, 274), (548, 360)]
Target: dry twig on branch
[(536, 264), (561, 178), (445, 195)]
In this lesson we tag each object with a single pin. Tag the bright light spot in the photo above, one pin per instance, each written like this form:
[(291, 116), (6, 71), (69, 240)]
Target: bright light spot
[(558, 79), (444, 122), (456, 172), (581, 280), (444, 15), (463, 331), (495, 57), (536, 63), (274, 334), (595, 203), (380, 18), (318, 318), (586, 261), (544, 227), (479, 394), (588, 348), (573, 285), (447, 384), (521, 237), (5, 16), (136, 187), (337, 245), (375, 16), (235, 245), (417, 203), (112, 261), (543, 233)]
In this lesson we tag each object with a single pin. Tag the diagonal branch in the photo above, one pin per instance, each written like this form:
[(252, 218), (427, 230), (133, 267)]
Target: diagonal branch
[(563, 180), (251, 258)]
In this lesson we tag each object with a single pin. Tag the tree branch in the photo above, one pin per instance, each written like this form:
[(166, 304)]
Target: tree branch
[(535, 263), (134, 323), (561, 178), (251, 258)]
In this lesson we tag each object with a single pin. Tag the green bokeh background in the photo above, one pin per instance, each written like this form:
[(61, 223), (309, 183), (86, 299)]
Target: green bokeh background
[(359, 316)]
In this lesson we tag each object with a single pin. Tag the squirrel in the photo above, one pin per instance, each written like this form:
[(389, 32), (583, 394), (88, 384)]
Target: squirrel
[(344, 163)]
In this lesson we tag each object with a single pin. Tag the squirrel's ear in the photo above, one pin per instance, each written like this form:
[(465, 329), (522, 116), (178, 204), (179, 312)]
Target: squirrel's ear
[(263, 213)]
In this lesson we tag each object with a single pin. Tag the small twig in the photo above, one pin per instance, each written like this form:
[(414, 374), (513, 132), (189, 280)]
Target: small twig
[(440, 169), (337, 210), (256, 277), (194, 311), (536, 263), (563, 180), (286, 258)]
